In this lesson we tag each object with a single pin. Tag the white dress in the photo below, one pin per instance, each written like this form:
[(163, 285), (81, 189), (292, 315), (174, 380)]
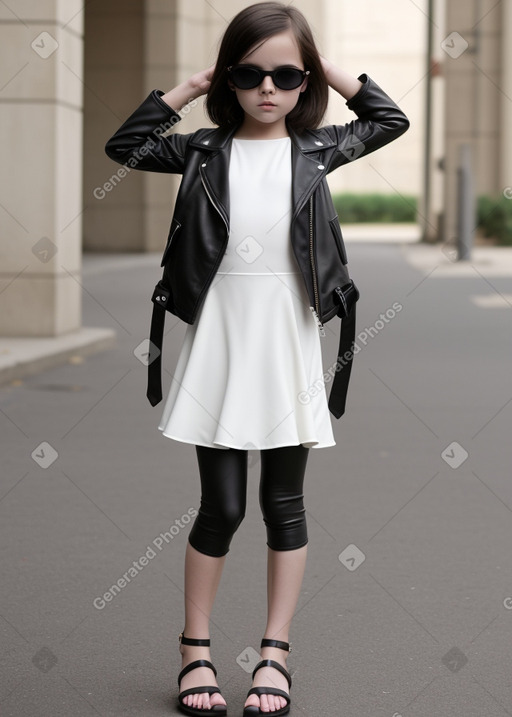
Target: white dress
[(250, 367)]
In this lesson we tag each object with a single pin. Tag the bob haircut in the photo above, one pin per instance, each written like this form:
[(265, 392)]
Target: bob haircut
[(249, 28)]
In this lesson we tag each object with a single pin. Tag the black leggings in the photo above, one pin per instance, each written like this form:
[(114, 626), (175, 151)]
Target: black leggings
[(223, 474)]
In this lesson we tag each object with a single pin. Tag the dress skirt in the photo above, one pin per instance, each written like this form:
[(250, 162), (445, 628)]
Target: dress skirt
[(249, 374)]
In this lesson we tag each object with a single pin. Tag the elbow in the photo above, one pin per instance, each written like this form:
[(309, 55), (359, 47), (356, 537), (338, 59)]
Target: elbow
[(403, 124), (398, 126), (112, 152)]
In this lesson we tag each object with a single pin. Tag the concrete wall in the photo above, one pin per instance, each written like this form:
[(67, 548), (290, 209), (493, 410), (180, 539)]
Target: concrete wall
[(41, 54), (387, 41)]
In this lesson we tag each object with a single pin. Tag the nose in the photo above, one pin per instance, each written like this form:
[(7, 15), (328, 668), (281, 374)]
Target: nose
[(267, 85)]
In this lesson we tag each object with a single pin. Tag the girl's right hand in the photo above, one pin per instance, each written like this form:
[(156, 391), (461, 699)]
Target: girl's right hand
[(191, 89), (201, 81)]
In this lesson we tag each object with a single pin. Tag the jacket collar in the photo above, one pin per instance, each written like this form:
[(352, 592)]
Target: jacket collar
[(218, 137)]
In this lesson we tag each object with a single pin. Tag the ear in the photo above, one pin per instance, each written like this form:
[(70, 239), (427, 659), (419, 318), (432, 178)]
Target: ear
[(304, 84), (231, 85)]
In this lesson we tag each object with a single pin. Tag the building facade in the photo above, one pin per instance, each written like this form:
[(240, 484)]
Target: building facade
[(72, 73)]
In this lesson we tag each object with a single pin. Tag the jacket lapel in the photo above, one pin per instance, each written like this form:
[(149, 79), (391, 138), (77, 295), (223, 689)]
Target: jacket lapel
[(308, 150)]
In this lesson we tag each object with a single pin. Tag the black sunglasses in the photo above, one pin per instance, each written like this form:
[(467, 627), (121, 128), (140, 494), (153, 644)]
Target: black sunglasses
[(246, 77)]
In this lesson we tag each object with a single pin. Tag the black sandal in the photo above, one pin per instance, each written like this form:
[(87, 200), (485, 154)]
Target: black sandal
[(217, 710), (253, 710)]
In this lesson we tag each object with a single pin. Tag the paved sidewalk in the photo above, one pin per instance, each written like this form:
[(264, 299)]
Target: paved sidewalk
[(406, 603)]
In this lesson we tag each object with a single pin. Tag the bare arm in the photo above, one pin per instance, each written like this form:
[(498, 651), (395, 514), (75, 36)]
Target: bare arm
[(339, 80), (194, 87)]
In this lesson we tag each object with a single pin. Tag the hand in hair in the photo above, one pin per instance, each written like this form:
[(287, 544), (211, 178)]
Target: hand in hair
[(340, 81), (191, 89), (201, 81)]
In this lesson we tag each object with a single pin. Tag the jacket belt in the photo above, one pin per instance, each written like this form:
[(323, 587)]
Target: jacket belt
[(160, 299), (338, 395)]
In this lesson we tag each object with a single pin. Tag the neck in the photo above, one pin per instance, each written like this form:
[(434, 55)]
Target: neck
[(257, 130)]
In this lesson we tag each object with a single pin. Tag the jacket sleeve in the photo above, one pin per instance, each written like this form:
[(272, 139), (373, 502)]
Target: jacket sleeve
[(139, 143), (379, 121)]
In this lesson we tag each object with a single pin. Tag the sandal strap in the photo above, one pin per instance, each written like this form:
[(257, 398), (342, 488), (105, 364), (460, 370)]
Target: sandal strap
[(269, 691), (267, 642), (192, 666), (210, 689), (192, 641), (277, 666)]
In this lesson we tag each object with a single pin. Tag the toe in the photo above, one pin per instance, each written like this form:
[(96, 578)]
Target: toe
[(252, 701), (264, 703)]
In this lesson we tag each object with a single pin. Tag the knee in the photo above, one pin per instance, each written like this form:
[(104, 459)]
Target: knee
[(213, 531), (230, 518), (285, 521)]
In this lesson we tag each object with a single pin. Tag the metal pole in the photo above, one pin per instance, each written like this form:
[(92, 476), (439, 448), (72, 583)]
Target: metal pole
[(428, 124), (465, 204)]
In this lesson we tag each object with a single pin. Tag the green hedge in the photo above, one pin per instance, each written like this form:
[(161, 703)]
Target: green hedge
[(494, 218), (353, 208), (493, 215)]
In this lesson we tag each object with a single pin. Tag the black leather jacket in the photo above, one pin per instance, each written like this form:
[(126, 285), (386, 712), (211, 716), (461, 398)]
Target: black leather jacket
[(199, 229)]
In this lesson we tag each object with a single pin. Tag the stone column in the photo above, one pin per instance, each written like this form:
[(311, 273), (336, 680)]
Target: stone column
[(473, 98), (506, 99), (41, 89)]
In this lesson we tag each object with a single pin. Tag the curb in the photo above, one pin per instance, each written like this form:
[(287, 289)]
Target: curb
[(26, 356)]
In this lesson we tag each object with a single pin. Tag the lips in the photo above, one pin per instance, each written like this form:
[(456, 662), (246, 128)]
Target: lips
[(267, 104)]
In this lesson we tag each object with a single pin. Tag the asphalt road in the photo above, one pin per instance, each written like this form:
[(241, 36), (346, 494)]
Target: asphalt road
[(406, 606)]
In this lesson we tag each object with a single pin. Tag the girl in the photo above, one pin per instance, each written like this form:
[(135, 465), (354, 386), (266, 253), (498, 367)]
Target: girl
[(254, 264)]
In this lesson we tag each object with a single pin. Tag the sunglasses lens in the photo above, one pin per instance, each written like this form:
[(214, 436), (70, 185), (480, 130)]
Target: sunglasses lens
[(288, 79), (245, 78)]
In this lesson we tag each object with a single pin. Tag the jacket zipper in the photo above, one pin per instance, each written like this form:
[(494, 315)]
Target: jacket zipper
[(316, 308), (211, 200)]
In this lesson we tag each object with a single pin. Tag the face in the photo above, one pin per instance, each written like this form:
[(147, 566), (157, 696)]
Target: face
[(266, 104)]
